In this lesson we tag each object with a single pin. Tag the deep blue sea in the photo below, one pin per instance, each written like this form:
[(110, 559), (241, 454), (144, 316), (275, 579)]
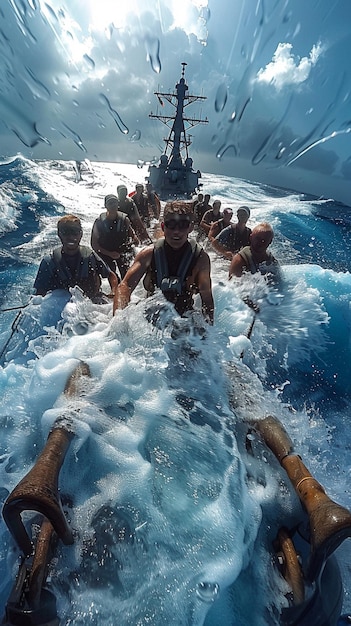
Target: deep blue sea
[(168, 528)]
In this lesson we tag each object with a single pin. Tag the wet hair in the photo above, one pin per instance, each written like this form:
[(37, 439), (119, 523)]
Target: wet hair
[(179, 207), (120, 187), (244, 208), (111, 200), (68, 220), (264, 227)]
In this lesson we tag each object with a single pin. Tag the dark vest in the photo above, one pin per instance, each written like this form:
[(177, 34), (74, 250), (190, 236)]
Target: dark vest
[(86, 276), (142, 204), (252, 265), (173, 287), (235, 239), (113, 234)]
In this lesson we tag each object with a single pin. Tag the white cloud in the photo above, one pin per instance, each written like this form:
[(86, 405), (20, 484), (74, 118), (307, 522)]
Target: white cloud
[(285, 69)]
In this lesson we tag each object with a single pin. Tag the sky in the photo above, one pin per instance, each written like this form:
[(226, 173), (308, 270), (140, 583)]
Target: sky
[(77, 81)]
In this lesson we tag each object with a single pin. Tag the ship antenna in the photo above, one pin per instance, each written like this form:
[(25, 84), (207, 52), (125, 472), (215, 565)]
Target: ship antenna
[(183, 70)]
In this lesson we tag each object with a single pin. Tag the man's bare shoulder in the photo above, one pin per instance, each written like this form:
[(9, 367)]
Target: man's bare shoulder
[(203, 260), (144, 256), (203, 254)]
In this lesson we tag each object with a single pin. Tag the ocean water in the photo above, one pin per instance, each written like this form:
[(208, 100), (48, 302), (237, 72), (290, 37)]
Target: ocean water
[(172, 519)]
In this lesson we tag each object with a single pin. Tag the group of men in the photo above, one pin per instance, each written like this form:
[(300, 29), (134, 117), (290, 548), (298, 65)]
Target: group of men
[(225, 236), (246, 249), (176, 264), (114, 234)]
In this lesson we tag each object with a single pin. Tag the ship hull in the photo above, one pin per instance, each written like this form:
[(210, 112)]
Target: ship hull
[(174, 183)]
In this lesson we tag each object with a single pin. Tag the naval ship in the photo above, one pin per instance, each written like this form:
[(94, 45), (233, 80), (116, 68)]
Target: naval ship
[(174, 175)]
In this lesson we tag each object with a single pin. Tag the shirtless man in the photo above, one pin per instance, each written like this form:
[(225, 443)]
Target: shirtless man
[(174, 264)]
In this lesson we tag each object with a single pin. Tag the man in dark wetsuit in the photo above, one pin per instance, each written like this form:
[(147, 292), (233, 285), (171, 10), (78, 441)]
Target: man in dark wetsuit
[(154, 201), (112, 237), (255, 257), (236, 236), (128, 206), (202, 207), (177, 266), (140, 199), (73, 264), (211, 216)]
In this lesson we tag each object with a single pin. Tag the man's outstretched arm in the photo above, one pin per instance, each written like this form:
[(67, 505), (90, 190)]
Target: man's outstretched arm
[(204, 286), (132, 278)]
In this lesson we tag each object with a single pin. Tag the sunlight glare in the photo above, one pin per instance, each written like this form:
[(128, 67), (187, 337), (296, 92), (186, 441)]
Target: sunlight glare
[(103, 13), (104, 16), (187, 14)]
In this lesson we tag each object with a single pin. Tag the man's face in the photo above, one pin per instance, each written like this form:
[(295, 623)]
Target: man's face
[(176, 228), (70, 235), (227, 216), (111, 210), (122, 193), (242, 216)]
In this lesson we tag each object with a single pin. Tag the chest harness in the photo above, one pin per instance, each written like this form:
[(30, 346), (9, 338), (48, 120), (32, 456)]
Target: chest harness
[(174, 288), (85, 274), (113, 235)]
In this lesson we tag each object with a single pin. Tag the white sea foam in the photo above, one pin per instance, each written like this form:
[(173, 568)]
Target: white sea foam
[(158, 458)]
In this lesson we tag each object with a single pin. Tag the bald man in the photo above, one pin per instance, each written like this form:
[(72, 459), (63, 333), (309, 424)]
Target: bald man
[(255, 257)]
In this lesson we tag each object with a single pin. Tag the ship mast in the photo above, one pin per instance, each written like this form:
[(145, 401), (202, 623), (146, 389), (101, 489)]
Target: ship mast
[(175, 177), (178, 139)]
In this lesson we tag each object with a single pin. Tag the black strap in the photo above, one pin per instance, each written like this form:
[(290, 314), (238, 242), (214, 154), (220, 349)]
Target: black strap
[(192, 252)]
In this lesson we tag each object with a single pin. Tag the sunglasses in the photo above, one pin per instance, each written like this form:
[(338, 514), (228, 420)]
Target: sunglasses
[(182, 224), (70, 230)]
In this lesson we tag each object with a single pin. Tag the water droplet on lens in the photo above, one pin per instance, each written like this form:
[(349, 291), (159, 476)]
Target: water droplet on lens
[(287, 17), (152, 45), (136, 135), (117, 118), (207, 592), (226, 149), (221, 98), (89, 61)]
